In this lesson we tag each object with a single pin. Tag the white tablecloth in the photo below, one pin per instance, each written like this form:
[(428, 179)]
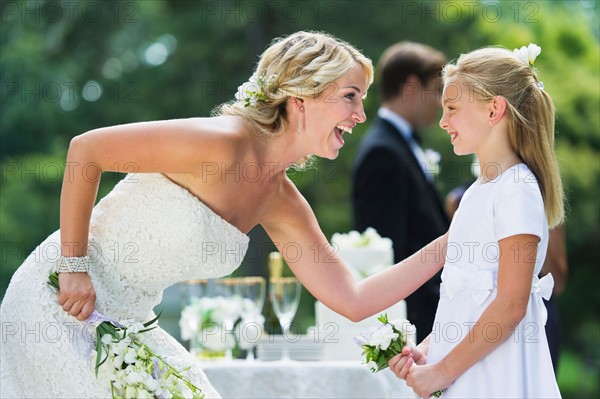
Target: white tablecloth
[(293, 379)]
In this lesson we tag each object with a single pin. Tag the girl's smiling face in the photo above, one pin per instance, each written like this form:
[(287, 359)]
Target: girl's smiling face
[(464, 118)]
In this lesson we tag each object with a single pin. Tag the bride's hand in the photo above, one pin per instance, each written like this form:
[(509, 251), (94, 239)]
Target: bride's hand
[(77, 295), (401, 364)]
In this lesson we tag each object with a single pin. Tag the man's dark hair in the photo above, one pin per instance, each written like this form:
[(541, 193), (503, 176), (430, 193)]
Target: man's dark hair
[(404, 59)]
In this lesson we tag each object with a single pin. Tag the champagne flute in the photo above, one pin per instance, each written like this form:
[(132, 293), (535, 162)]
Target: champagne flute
[(253, 289), (194, 289), (228, 288), (285, 296)]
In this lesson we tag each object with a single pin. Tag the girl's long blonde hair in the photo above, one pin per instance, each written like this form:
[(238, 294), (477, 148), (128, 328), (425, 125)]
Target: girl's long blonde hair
[(492, 72)]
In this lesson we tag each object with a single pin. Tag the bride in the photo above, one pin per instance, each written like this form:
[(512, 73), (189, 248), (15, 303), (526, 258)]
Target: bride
[(198, 186)]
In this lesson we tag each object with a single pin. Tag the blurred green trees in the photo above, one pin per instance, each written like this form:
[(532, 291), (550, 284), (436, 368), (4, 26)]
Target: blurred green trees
[(67, 67)]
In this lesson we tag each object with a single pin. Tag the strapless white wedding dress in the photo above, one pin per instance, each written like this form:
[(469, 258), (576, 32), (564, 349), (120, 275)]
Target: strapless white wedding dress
[(145, 235)]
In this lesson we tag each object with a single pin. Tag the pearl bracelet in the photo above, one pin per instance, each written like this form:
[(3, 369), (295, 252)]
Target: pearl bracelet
[(76, 264)]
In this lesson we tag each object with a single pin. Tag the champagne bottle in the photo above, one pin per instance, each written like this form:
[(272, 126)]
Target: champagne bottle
[(275, 263)]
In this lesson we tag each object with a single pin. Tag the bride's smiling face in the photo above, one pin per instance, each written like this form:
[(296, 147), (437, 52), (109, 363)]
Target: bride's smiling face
[(335, 112)]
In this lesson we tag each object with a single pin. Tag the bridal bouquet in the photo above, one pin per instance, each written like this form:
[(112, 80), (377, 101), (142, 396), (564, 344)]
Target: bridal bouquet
[(384, 341), (134, 370)]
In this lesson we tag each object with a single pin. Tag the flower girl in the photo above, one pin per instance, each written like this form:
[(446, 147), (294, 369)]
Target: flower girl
[(488, 338)]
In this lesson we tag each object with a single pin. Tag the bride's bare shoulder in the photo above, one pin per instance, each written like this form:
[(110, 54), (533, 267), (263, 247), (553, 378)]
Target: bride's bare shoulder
[(227, 124), (222, 127), (225, 137)]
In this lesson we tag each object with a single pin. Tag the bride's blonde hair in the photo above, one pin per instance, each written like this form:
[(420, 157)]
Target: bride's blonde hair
[(491, 72), (299, 65)]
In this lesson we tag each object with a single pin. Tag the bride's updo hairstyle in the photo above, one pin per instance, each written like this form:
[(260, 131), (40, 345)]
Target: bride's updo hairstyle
[(490, 72), (302, 65)]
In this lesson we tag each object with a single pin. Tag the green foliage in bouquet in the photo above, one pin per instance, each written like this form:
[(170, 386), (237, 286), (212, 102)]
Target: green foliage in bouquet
[(384, 341)]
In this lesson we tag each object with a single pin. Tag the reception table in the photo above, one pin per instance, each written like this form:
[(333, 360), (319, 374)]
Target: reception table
[(302, 379)]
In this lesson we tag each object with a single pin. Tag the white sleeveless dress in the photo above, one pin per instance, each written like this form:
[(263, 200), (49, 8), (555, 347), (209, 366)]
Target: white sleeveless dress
[(521, 366), (145, 235)]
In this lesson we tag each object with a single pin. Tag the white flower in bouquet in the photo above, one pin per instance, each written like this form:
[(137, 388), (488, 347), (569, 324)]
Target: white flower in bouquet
[(132, 326), (134, 370), (407, 329), (384, 341), (383, 336)]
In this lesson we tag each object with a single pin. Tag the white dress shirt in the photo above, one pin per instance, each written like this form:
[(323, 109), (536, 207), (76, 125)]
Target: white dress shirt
[(406, 130)]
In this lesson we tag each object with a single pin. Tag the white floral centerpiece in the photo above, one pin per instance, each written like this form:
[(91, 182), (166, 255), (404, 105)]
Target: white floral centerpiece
[(215, 325), (365, 254)]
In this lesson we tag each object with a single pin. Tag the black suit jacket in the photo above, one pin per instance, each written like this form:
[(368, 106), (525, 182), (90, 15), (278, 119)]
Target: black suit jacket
[(392, 194)]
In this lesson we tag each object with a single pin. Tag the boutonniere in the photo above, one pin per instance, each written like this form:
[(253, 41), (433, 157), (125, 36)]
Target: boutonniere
[(432, 158)]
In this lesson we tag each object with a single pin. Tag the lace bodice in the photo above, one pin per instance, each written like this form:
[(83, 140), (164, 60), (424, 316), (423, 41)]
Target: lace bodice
[(149, 233)]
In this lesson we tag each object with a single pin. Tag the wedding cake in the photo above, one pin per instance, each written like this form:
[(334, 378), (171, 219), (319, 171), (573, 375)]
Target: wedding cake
[(364, 254)]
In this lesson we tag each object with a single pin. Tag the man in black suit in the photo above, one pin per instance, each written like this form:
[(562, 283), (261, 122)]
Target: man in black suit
[(393, 179)]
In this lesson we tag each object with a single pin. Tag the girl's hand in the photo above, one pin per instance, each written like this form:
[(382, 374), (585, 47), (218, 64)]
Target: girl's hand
[(427, 379), (77, 295), (401, 364)]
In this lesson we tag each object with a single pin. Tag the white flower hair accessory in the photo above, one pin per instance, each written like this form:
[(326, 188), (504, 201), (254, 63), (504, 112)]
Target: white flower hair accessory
[(254, 89), (528, 54)]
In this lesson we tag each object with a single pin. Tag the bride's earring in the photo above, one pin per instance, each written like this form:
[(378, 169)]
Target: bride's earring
[(300, 119)]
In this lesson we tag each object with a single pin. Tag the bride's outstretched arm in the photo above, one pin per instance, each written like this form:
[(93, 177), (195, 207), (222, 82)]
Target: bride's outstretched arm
[(295, 231)]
